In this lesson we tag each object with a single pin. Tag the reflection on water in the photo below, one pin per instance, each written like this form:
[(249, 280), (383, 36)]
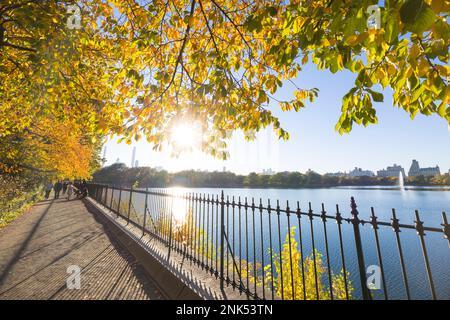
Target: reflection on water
[(179, 206)]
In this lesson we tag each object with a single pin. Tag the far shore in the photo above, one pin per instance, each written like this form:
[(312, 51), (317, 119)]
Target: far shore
[(363, 187)]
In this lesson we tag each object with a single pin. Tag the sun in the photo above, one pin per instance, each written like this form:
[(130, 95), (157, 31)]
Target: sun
[(185, 136)]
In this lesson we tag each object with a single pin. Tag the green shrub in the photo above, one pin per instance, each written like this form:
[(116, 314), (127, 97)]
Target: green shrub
[(16, 196)]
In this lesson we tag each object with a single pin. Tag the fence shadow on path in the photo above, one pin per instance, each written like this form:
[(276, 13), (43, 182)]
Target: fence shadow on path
[(69, 233), (17, 254), (137, 271), (174, 263)]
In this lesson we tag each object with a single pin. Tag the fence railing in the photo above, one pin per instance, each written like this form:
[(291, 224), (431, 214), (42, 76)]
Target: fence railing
[(270, 251)]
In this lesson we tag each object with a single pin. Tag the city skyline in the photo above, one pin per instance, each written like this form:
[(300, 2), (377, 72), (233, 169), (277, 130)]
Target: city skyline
[(269, 171)]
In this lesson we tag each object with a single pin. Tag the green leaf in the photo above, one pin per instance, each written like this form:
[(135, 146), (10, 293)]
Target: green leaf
[(253, 23), (410, 10), (417, 16), (417, 93), (391, 33), (272, 11), (441, 109), (442, 29), (376, 96), (424, 21)]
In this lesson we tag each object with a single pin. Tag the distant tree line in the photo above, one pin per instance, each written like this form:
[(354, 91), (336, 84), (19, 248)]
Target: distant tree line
[(142, 177)]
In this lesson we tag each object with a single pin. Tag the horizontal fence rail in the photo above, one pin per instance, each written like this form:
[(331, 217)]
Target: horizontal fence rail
[(279, 251)]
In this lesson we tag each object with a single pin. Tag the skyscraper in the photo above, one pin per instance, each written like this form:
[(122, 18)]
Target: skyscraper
[(133, 157), (104, 156)]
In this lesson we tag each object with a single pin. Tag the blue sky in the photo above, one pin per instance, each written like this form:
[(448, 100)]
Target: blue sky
[(313, 143)]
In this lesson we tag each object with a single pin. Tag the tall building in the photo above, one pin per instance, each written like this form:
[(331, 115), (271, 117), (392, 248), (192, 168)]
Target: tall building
[(416, 170), (393, 171), (358, 172), (104, 157), (133, 157)]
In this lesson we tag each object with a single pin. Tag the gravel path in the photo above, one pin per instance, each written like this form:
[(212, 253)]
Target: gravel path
[(37, 249)]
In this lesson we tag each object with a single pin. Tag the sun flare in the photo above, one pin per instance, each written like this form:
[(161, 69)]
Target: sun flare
[(185, 136)]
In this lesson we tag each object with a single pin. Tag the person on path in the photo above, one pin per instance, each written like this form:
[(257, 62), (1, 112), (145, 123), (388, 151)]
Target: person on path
[(57, 187), (70, 190), (64, 187), (83, 191), (48, 189)]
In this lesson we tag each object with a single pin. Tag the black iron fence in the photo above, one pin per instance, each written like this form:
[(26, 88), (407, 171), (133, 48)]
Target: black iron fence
[(269, 251)]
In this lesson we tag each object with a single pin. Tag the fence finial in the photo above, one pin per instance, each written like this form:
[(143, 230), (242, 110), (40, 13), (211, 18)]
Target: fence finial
[(323, 213), (354, 211), (353, 206)]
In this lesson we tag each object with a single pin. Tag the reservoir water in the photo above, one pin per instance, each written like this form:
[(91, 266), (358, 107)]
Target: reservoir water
[(430, 203)]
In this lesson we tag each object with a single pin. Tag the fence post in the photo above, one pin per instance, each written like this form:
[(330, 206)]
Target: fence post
[(129, 204), (120, 198), (100, 195), (112, 197), (170, 223), (359, 251), (106, 196), (445, 228), (222, 240), (145, 211)]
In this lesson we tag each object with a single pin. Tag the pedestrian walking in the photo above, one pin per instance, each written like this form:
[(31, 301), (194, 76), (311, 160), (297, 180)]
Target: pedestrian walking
[(64, 187), (57, 187), (70, 190), (48, 189), (82, 191)]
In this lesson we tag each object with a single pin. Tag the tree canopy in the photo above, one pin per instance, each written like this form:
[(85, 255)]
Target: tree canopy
[(137, 68)]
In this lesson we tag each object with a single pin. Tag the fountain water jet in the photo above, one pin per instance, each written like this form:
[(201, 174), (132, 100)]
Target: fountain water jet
[(401, 182)]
